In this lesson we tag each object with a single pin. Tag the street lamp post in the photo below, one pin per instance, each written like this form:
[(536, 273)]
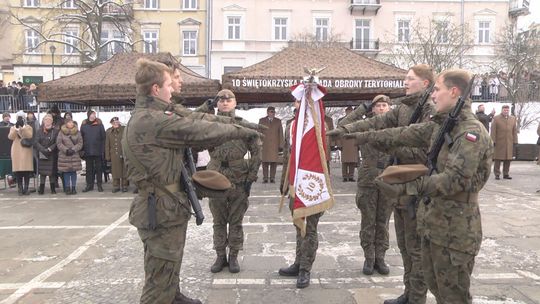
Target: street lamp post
[(52, 48)]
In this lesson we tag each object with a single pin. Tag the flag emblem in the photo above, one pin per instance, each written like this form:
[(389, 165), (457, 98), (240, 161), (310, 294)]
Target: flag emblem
[(471, 137)]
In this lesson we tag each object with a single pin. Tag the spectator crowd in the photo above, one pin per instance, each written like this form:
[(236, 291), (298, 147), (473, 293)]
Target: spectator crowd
[(55, 148)]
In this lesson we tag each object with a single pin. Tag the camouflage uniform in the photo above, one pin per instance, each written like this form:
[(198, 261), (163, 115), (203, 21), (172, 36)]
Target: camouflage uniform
[(450, 226), (157, 138), (306, 247), (375, 207), (408, 240), (228, 159)]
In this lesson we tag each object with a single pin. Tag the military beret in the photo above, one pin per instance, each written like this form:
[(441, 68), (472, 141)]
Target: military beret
[(381, 98), (225, 94), (402, 173), (210, 183), (114, 119)]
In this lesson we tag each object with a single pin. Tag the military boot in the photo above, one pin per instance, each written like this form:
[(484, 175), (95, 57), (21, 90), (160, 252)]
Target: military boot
[(368, 266), (402, 299), (291, 271), (221, 261), (180, 298), (234, 267), (303, 279), (381, 266)]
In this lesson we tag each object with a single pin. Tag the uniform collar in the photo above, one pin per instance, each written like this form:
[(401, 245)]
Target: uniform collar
[(227, 114), (408, 99), (466, 114), (151, 102)]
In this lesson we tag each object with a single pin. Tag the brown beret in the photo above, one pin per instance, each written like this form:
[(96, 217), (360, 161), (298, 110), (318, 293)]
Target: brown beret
[(381, 98), (402, 173), (225, 94), (210, 183), (114, 119)]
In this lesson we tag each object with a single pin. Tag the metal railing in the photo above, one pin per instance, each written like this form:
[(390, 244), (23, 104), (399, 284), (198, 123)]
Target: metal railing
[(365, 2), (364, 44), (10, 103)]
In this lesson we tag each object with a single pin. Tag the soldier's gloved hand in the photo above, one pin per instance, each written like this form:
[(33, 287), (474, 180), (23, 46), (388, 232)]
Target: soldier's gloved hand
[(247, 187), (360, 138), (390, 190), (212, 102), (337, 132)]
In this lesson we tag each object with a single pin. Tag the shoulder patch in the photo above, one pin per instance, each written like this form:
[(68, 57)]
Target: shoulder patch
[(472, 137)]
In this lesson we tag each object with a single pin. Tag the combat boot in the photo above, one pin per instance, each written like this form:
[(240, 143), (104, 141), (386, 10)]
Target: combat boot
[(303, 279), (234, 267), (180, 298), (291, 271), (221, 261), (402, 299), (368, 266), (381, 266)]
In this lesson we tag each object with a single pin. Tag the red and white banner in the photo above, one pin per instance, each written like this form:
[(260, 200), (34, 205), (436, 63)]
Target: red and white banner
[(308, 172)]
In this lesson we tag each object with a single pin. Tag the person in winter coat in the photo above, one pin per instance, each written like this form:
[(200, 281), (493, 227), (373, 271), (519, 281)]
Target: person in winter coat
[(113, 154), (505, 138), (69, 142), (93, 134), (45, 144), (21, 155)]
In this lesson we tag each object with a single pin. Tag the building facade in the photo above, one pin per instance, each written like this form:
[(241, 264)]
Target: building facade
[(148, 26), (245, 32)]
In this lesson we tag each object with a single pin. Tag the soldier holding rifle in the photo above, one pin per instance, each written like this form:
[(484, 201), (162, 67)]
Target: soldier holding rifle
[(155, 140), (459, 163)]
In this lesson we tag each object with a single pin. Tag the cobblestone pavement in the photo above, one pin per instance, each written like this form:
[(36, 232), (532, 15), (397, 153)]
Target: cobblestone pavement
[(81, 249)]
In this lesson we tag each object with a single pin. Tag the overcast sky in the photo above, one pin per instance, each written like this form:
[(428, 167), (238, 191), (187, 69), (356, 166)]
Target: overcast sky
[(534, 16)]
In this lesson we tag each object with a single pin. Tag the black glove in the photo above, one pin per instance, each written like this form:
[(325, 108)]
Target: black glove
[(70, 152), (212, 102), (247, 187), (19, 123)]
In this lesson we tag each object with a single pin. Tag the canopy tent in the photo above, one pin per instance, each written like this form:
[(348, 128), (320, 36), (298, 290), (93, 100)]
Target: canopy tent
[(348, 76), (113, 83)]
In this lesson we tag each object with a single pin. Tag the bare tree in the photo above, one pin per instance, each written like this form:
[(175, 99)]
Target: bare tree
[(441, 44), (517, 56), (93, 29)]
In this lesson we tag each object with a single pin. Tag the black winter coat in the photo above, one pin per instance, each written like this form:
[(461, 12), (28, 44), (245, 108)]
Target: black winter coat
[(93, 135), (42, 142)]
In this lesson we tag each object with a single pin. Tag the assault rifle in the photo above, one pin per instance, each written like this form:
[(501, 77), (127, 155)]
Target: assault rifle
[(189, 187), (444, 132)]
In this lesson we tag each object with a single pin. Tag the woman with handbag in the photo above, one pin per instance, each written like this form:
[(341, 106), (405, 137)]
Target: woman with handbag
[(45, 144), (21, 153), (69, 143)]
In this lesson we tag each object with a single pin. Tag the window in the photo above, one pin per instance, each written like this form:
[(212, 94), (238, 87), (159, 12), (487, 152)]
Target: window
[(363, 33), (151, 4), (322, 29), (483, 31), (116, 45), (230, 69), (190, 4), (233, 27), (189, 43), (31, 3), (151, 39), (441, 30), (280, 28), (71, 41), (69, 4), (31, 41), (403, 30)]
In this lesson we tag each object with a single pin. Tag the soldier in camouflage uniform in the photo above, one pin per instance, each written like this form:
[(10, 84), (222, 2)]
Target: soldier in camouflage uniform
[(375, 207), (228, 159), (155, 140), (450, 224), (306, 247), (418, 78)]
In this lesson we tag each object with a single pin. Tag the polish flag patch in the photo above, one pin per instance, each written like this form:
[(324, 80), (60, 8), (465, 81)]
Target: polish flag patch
[(471, 137)]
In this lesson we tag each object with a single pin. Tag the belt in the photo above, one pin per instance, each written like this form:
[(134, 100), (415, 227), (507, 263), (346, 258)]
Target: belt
[(227, 163), (172, 188), (464, 197)]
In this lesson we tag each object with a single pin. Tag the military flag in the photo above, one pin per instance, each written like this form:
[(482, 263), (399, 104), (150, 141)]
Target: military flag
[(309, 179)]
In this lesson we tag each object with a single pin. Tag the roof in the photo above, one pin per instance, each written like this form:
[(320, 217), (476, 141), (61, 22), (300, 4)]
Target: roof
[(347, 75), (113, 83)]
